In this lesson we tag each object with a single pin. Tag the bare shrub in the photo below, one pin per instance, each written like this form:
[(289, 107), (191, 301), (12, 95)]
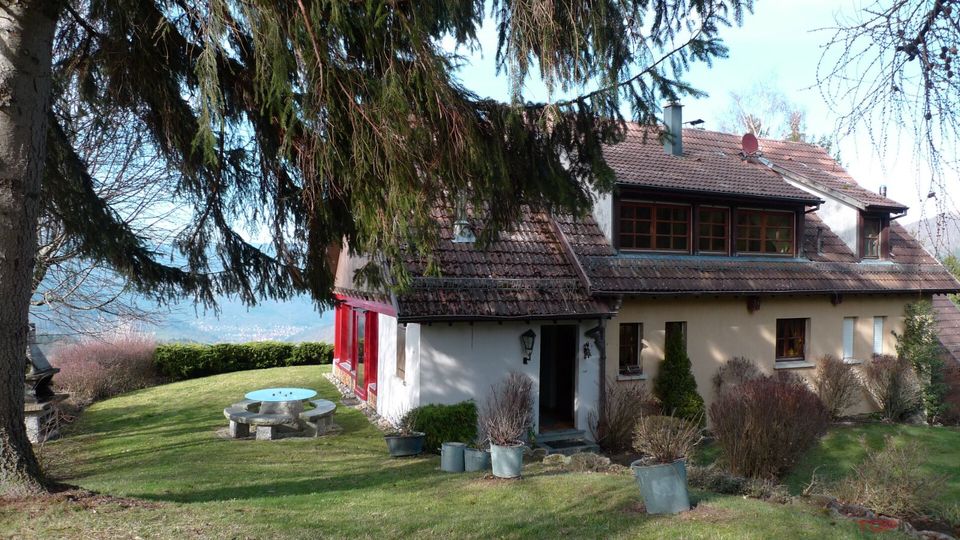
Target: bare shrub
[(764, 427), (892, 481), (837, 384), (620, 408), (666, 438), (92, 370), (718, 480), (734, 372), (507, 415), (894, 385)]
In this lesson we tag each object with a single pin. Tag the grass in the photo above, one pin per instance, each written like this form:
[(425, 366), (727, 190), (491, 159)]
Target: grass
[(168, 474), (846, 446)]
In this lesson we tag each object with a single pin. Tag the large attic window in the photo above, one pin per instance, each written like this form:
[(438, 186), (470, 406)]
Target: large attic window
[(765, 232), (654, 227)]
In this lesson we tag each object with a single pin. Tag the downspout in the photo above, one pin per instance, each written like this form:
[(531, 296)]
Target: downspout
[(602, 345)]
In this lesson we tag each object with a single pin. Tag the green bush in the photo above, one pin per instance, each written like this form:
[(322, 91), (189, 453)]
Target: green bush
[(312, 353), (445, 423), (188, 361), (919, 345), (675, 386)]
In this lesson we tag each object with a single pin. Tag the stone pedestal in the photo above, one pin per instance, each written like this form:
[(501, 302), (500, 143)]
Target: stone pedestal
[(40, 420), (238, 430)]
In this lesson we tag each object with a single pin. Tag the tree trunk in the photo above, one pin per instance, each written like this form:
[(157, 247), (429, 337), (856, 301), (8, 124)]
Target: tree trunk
[(26, 37)]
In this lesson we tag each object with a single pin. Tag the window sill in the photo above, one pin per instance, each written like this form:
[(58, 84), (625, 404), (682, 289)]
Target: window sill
[(793, 364), (637, 377), (852, 361)]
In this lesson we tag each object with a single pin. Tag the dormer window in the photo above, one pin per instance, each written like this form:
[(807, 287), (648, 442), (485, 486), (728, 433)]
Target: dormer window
[(654, 227), (870, 237), (765, 232)]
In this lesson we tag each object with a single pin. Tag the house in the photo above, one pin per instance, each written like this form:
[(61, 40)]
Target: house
[(763, 249)]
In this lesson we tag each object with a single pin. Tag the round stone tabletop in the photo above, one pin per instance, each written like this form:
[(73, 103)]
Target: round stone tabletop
[(281, 394)]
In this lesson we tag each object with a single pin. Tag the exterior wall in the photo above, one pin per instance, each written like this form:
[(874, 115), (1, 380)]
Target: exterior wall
[(603, 214), (396, 396), (842, 218), (462, 361), (721, 328)]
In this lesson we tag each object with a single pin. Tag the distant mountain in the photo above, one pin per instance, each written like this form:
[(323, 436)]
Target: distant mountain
[(940, 241), (293, 320)]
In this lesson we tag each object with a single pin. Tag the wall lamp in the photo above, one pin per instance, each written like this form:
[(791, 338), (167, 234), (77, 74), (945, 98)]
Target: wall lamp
[(527, 339)]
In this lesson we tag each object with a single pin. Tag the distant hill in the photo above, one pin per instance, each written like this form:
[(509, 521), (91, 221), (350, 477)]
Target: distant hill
[(941, 242), (293, 320)]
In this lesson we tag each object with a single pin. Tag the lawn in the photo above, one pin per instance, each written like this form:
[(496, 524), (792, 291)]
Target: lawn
[(168, 474), (846, 446)]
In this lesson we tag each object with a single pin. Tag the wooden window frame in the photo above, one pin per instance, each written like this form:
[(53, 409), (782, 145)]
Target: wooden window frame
[(632, 362), (763, 232), (727, 229), (682, 325), (883, 237), (653, 206), (780, 344)]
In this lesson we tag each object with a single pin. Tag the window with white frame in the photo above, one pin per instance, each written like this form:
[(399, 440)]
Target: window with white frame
[(849, 326), (402, 351), (878, 323)]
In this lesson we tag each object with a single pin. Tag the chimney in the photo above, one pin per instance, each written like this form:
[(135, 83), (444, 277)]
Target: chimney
[(673, 120), (883, 191)]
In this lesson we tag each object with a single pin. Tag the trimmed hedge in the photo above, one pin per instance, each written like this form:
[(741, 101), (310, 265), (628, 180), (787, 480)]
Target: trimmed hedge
[(445, 423), (189, 361)]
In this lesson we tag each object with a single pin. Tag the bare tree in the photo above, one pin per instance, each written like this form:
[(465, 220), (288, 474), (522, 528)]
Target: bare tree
[(79, 295), (892, 67), (765, 111)]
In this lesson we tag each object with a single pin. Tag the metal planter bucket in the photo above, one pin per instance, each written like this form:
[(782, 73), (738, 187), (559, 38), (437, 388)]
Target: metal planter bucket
[(476, 460), (404, 445), (507, 460), (663, 487), (451, 456)]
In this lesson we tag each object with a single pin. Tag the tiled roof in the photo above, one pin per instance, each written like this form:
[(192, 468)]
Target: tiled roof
[(524, 274), (711, 163), (814, 163), (948, 325), (713, 275), (705, 167)]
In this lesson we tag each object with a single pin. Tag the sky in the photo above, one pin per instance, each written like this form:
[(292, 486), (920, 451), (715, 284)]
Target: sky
[(780, 43)]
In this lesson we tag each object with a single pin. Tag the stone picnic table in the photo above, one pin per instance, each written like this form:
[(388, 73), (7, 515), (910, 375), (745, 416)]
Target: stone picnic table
[(274, 410)]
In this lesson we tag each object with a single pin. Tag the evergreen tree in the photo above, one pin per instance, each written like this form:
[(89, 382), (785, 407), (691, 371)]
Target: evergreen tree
[(320, 121), (919, 344), (675, 385)]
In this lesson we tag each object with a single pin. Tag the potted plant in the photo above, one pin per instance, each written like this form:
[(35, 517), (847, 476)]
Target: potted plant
[(476, 457), (662, 475), (507, 417), (405, 441)]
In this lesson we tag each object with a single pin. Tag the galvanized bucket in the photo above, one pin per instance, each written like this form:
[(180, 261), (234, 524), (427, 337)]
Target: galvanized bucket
[(476, 460), (451, 456), (663, 486), (507, 460)]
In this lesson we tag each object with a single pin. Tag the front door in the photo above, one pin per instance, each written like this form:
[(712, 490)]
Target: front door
[(558, 377)]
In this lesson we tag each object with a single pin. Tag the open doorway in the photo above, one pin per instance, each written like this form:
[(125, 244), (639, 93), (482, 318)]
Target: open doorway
[(558, 377)]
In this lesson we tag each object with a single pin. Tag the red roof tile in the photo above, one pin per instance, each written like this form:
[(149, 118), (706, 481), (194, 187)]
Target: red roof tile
[(524, 274), (948, 325), (707, 166), (711, 163)]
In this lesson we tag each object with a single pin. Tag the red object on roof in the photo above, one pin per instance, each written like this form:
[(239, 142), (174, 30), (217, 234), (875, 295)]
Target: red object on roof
[(749, 143)]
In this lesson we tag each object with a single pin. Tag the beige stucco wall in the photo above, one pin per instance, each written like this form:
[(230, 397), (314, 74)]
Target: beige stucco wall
[(721, 328)]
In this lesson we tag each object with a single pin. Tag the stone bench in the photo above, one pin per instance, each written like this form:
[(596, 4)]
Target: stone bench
[(244, 414), (319, 419)]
